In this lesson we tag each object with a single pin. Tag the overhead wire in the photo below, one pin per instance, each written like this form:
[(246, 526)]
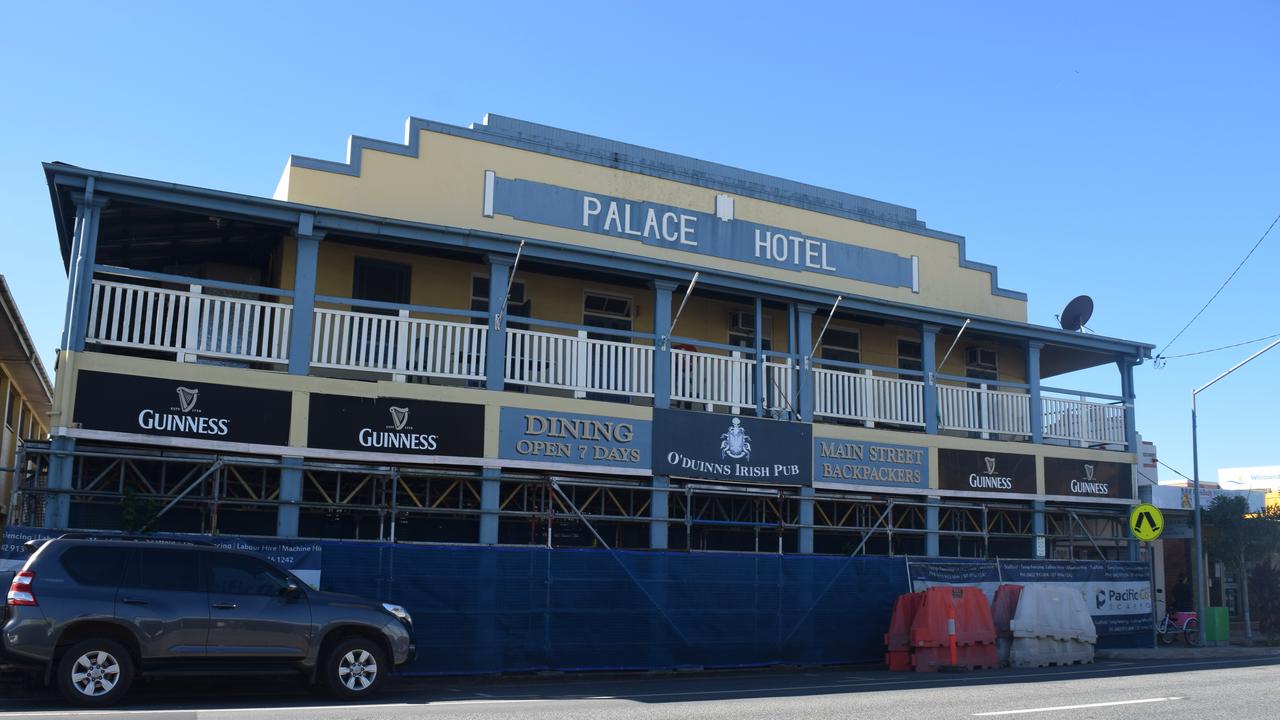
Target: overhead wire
[(1224, 347), (1160, 355)]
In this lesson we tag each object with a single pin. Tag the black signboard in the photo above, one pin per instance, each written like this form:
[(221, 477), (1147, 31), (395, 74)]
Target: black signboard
[(395, 425), (989, 472), (181, 408), (1088, 479), (731, 447)]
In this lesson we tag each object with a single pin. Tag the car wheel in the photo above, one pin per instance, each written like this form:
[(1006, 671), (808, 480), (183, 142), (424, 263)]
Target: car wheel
[(95, 673), (354, 668)]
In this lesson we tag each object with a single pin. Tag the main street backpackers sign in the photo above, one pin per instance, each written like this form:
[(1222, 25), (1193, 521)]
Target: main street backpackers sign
[(731, 447)]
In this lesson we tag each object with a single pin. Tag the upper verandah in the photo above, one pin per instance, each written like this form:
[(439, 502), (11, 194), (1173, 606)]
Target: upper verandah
[(527, 180)]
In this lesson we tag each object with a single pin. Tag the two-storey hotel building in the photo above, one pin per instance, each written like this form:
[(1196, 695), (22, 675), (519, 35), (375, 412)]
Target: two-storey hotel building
[(515, 334)]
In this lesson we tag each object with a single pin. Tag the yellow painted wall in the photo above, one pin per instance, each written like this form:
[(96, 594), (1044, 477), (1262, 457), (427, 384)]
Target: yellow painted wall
[(444, 185), (30, 425)]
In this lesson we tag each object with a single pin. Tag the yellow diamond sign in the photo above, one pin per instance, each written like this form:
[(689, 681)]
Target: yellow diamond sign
[(1146, 522)]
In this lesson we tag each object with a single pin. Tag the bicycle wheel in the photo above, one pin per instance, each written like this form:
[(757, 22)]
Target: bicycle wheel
[(1162, 632), (1191, 632)]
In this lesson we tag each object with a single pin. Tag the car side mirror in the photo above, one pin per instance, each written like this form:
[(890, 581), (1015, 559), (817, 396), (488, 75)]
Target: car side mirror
[(291, 591)]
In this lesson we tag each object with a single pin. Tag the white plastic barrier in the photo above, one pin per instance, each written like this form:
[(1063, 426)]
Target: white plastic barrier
[(1051, 626), (1042, 652)]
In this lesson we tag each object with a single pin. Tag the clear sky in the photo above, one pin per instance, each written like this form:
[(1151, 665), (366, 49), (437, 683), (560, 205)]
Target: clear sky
[(1130, 151)]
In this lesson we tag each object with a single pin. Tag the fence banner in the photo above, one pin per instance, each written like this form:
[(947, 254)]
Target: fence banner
[(300, 557), (1117, 593)]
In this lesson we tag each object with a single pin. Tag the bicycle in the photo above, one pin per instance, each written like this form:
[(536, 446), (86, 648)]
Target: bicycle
[(1172, 625)]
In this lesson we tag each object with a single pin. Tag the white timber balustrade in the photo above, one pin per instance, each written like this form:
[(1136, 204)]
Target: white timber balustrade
[(713, 379), (780, 384), (189, 323), (1083, 422), (983, 410), (578, 363), (397, 344), (868, 398)]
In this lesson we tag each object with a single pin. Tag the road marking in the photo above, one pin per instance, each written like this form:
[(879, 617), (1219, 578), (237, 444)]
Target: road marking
[(1076, 707)]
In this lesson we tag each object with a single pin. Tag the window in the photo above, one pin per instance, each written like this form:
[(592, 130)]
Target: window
[(742, 330), (382, 281), (244, 575), (163, 569), (841, 345), (517, 303), (98, 566), (909, 355), (14, 403), (981, 363), (606, 311)]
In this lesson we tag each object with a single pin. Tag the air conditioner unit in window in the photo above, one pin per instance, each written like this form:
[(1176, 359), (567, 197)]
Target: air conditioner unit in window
[(981, 358), (744, 323)]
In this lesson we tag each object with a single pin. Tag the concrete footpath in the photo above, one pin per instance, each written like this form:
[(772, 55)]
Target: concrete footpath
[(1183, 652)]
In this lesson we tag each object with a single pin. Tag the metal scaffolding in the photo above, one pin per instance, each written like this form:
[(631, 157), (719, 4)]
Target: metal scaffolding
[(148, 489)]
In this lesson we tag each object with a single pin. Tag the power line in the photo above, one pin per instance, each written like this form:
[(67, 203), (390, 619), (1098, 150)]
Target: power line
[(1220, 287), (1224, 347), (1184, 477)]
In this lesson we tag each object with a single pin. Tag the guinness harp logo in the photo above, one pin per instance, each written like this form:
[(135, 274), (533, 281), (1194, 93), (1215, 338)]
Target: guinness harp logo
[(1088, 473), (991, 465), (399, 417), (187, 398)]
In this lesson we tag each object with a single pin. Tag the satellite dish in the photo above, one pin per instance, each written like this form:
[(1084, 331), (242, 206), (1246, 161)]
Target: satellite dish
[(1076, 313)]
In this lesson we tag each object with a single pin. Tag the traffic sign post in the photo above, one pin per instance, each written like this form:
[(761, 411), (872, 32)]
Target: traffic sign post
[(1146, 522)]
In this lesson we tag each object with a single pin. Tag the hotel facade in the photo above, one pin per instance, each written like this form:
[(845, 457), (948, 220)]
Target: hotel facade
[(511, 334)]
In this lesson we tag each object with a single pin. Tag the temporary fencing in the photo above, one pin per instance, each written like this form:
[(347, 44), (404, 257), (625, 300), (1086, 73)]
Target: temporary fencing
[(1051, 626)]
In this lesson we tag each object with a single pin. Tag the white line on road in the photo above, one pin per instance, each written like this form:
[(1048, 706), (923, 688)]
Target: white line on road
[(1076, 707)]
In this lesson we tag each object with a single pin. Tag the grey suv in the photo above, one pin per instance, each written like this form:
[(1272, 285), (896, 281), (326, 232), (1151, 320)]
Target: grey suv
[(93, 613)]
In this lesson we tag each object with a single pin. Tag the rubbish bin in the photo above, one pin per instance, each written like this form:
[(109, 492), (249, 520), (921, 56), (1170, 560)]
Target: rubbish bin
[(1217, 626)]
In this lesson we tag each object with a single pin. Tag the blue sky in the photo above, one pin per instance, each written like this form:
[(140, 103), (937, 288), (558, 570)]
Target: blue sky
[(1125, 150)]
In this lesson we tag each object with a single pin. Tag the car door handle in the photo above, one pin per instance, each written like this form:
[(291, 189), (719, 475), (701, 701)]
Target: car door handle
[(224, 606), (133, 601)]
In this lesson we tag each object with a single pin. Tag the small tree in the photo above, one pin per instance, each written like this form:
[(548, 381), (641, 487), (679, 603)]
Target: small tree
[(1236, 536)]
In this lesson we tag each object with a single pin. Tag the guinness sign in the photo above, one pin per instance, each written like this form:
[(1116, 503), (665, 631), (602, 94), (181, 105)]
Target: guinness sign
[(1087, 479), (395, 425), (986, 472), (181, 408)]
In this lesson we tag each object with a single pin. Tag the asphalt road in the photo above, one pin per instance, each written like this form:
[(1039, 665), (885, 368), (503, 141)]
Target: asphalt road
[(1234, 689)]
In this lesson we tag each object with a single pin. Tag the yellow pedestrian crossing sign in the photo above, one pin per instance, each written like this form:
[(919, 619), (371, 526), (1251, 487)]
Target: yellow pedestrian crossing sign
[(1146, 522)]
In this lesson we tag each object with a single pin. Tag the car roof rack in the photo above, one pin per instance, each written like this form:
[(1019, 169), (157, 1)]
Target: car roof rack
[(133, 538)]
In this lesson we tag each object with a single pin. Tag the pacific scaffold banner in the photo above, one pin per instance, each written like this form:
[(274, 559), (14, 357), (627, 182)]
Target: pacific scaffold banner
[(300, 557), (1117, 593)]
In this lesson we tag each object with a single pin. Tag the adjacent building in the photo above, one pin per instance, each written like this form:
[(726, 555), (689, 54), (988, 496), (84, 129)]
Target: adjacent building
[(25, 393), (515, 334)]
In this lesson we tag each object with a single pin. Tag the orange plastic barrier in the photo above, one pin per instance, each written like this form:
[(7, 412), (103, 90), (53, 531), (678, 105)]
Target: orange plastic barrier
[(972, 618), (898, 639), (951, 627), (1003, 607)]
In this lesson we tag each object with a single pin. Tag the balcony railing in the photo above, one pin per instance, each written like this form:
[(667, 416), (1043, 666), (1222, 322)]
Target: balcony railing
[(868, 398), (192, 323), (397, 344), (188, 322), (1083, 422), (984, 410), (578, 363)]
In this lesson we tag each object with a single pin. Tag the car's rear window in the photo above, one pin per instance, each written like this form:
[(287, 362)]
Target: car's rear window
[(94, 565)]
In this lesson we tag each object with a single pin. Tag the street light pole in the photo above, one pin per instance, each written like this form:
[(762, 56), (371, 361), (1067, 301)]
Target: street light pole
[(1201, 582)]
